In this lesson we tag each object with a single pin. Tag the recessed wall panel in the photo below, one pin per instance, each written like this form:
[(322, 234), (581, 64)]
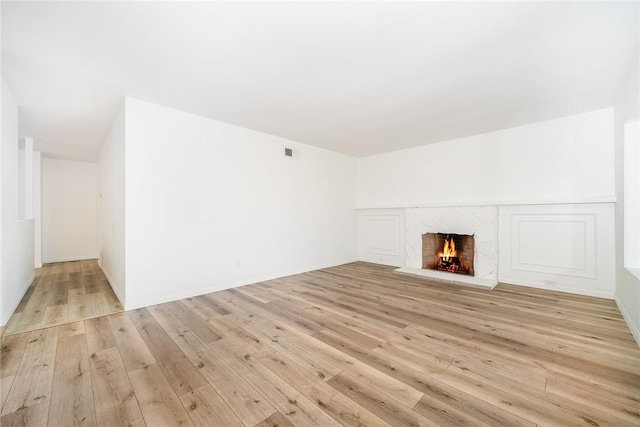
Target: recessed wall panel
[(381, 237), (562, 247), (555, 243)]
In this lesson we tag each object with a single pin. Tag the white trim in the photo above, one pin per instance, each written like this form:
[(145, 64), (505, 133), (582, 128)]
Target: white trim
[(538, 285), (220, 287), (627, 318), (402, 205), (589, 262), (6, 316), (71, 258), (395, 255), (115, 289)]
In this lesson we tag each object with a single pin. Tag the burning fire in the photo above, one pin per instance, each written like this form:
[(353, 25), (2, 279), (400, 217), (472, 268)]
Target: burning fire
[(449, 250)]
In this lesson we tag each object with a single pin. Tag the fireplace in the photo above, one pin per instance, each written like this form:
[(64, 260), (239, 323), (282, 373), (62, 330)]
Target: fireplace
[(448, 252)]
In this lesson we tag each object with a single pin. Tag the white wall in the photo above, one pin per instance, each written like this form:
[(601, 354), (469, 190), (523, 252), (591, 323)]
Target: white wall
[(69, 210), (568, 159), (210, 205), (16, 237), (111, 206), (37, 208), (627, 284)]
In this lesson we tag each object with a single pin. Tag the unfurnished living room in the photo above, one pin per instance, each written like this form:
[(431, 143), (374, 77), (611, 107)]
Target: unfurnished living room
[(359, 213)]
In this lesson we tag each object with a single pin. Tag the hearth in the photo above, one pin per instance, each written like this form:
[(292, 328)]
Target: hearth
[(448, 252)]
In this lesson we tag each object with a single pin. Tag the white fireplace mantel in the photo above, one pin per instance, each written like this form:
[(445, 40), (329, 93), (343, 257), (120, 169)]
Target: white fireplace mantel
[(408, 205)]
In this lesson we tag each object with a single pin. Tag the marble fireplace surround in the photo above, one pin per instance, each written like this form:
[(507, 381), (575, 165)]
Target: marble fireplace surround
[(481, 221)]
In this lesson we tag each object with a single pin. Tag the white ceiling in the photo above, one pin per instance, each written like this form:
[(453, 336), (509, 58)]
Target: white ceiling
[(358, 77)]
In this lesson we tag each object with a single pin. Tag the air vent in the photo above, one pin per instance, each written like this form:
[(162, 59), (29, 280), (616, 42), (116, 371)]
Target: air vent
[(288, 152)]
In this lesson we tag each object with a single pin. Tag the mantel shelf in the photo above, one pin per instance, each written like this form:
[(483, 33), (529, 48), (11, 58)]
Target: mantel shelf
[(590, 200)]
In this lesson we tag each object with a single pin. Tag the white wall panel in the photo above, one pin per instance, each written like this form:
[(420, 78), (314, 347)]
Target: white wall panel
[(382, 236), (556, 244), (563, 247)]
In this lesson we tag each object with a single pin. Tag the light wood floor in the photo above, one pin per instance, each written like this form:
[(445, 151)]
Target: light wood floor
[(61, 293), (352, 345)]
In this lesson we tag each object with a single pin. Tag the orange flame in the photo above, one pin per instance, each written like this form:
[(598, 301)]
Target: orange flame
[(449, 250)]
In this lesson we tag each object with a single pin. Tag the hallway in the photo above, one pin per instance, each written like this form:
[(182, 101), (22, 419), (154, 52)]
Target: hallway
[(61, 293)]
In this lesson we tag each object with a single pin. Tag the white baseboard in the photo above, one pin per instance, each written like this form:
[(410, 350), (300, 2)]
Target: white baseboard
[(534, 284), (116, 290), (16, 300), (71, 258), (222, 286), (627, 318)]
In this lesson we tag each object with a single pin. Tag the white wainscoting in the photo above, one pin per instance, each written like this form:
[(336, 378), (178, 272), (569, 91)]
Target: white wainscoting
[(382, 236), (562, 247)]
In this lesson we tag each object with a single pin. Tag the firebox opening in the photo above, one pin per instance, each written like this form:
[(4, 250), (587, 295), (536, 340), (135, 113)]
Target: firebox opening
[(448, 252)]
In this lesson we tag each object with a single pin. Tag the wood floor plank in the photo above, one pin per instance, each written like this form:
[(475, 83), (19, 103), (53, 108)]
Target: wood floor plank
[(199, 308), (77, 308), (134, 352), (254, 291), (177, 368), (5, 386), (34, 377), (25, 299), (276, 420), (32, 416), (528, 405), (248, 405), (55, 315), (392, 411), (72, 394), (158, 402), (115, 401), (628, 397), (214, 304), (373, 377), (628, 410), (442, 395), (206, 408), (11, 353), (195, 323), (241, 337), (338, 406), (34, 310), (96, 304), (308, 360), (12, 325), (99, 334), (71, 329), (292, 404), (339, 358)]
